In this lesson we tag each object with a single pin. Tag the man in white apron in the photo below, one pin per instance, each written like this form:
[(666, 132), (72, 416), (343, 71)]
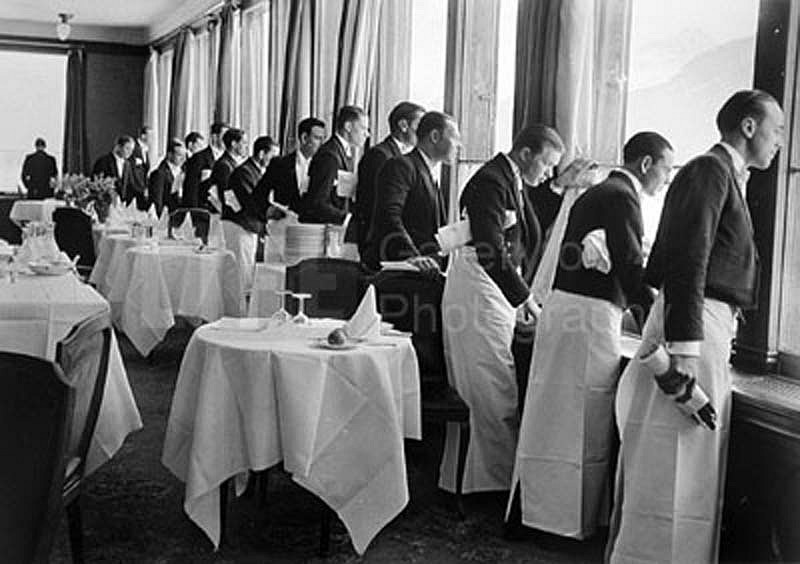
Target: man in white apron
[(564, 449), (671, 472), (483, 294)]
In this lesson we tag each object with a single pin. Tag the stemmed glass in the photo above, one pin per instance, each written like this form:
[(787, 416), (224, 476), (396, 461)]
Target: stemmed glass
[(301, 318), (282, 316)]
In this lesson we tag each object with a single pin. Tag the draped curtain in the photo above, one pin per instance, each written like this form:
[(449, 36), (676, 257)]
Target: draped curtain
[(183, 87), (75, 157), (202, 99), (358, 48), (255, 56), (151, 104), (164, 73), (228, 91)]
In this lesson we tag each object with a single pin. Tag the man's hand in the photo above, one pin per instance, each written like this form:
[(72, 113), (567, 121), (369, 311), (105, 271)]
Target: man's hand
[(577, 174), (684, 364), (274, 212), (528, 314), (427, 265)]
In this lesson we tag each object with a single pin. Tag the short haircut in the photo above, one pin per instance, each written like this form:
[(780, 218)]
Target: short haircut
[(193, 137), (643, 144), (347, 114), (217, 127), (173, 144), (263, 143), (433, 121), (306, 125), (404, 111), (536, 137), (743, 104), (123, 140), (40, 143), (233, 135)]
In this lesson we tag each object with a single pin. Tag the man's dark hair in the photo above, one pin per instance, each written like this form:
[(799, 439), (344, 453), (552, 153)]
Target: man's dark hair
[(347, 114), (743, 104), (173, 144), (145, 129), (536, 137), (123, 140), (233, 135), (432, 121), (217, 127), (193, 137), (404, 111), (40, 143), (643, 144), (263, 143), (306, 125)]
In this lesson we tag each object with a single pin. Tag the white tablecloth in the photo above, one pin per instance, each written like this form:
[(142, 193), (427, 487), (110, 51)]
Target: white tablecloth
[(337, 419), (38, 311), (34, 210), (110, 252), (269, 277), (148, 287), (102, 230)]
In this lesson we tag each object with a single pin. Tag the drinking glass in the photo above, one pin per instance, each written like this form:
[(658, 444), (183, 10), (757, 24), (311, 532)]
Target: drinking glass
[(282, 316), (301, 318)]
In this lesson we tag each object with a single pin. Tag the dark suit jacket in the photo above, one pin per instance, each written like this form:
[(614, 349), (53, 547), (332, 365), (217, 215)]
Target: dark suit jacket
[(704, 246), (321, 204), (546, 204), (408, 214), (195, 195), (486, 198), (107, 166), (160, 184), (37, 170), (613, 206), (368, 189), (243, 182), (220, 176), (281, 178), (140, 166)]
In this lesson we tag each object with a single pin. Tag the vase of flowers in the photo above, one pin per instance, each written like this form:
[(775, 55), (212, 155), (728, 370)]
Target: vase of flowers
[(96, 193)]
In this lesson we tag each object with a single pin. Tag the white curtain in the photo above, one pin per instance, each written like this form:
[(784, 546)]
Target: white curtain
[(151, 98), (254, 69), (203, 85), (164, 93)]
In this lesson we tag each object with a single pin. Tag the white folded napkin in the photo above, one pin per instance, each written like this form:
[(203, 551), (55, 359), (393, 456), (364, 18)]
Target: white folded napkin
[(131, 210), (366, 321), (595, 251), (398, 265), (346, 184), (151, 212), (187, 228), (216, 235), (458, 234), (162, 227)]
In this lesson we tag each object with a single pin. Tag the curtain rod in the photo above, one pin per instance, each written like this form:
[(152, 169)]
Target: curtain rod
[(209, 18)]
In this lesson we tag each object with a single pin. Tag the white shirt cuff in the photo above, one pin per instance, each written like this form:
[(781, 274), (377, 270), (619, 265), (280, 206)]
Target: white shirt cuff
[(685, 348)]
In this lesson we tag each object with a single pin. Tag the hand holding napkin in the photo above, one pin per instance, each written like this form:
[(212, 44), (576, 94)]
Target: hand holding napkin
[(595, 251), (366, 321)]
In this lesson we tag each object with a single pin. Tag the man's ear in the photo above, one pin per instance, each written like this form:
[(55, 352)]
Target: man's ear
[(436, 136), (645, 164), (748, 127), (402, 125)]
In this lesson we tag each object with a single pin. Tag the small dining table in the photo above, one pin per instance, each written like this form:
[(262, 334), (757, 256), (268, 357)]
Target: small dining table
[(252, 393), (24, 211)]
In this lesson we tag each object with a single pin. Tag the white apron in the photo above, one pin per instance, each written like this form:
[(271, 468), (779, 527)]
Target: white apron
[(242, 243), (478, 325), (671, 471), (567, 423)]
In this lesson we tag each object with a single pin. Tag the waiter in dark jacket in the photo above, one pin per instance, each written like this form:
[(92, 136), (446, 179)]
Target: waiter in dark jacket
[(411, 208), (140, 161), (117, 166), (37, 171), (403, 121), (322, 203), (199, 166), (166, 181), (704, 260)]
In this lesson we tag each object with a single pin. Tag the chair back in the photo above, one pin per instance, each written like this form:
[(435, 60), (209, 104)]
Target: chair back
[(83, 356), (35, 411), (412, 301), (336, 286), (73, 233), (201, 219)]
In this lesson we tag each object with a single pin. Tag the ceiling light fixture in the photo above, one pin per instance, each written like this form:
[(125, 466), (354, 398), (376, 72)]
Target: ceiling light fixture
[(62, 27)]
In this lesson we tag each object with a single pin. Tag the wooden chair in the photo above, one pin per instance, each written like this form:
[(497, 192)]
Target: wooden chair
[(36, 408), (201, 219), (336, 286), (412, 302), (73, 234), (83, 356)]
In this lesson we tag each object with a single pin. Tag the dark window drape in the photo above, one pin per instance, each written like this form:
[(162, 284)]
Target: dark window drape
[(76, 157), (177, 126)]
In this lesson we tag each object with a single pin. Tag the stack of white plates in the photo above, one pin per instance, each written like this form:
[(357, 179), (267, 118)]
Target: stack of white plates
[(304, 240)]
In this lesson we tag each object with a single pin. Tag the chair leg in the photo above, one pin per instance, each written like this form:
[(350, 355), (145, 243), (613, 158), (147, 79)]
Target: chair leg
[(463, 445), (325, 531), (223, 511), (75, 524)]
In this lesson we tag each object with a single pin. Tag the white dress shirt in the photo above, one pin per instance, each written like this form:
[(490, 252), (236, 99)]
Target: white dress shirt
[(301, 171), (120, 164), (177, 178)]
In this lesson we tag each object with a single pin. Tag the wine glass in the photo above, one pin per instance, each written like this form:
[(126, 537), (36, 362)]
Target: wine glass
[(282, 316), (301, 318)]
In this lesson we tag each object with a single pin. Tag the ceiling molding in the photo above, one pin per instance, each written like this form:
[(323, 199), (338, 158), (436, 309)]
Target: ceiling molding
[(186, 13), (91, 33)]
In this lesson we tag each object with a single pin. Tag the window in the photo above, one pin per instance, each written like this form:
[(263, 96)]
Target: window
[(681, 72), (428, 52), (28, 79), (506, 73)]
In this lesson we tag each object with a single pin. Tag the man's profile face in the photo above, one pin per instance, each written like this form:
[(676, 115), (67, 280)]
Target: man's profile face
[(767, 139), (126, 150), (540, 167), (449, 143), (657, 176), (178, 156), (359, 131), (311, 142)]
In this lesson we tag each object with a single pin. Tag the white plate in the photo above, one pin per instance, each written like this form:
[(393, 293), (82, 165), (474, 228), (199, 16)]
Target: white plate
[(49, 269), (323, 343)]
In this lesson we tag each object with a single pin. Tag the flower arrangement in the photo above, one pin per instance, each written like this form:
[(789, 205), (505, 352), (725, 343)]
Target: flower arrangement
[(96, 193)]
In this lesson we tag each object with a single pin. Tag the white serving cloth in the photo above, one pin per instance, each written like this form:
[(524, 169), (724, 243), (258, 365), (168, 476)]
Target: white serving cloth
[(242, 243), (595, 251), (671, 471), (34, 210), (337, 419), (478, 327), (36, 312), (152, 285), (567, 423)]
